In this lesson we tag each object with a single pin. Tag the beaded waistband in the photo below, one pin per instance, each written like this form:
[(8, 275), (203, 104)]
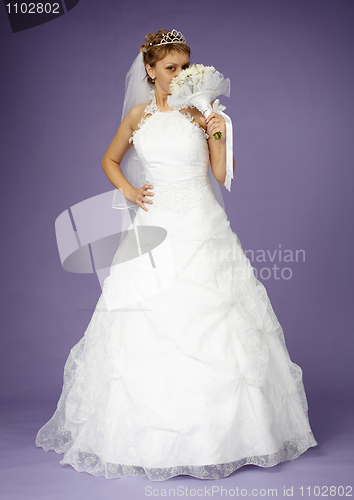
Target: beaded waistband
[(179, 194)]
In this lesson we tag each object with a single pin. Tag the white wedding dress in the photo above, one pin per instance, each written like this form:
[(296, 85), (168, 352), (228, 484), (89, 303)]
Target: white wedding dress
[(183, 368)]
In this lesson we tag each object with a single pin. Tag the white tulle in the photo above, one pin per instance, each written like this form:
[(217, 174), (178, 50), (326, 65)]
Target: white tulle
[(183, 368), (199, 82)]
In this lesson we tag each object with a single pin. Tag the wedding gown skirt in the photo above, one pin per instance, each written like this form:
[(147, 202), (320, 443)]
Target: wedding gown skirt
[(183, 368)]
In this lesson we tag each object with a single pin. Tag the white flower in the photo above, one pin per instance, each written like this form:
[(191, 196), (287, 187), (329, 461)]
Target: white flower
[(197, 86), (196, 73)]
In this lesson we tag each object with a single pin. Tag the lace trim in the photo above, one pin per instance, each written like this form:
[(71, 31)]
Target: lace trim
[(91, 463), (177, 195), (190, 118), (152, 108)]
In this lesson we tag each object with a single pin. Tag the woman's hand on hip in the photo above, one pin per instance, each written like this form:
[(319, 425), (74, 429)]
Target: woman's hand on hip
[(139, 196)]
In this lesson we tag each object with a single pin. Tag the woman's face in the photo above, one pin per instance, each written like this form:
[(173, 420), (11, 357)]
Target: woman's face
[(167, 68)]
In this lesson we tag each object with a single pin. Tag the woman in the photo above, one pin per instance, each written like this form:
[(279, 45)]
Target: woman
[(183, 368), (164, 63)]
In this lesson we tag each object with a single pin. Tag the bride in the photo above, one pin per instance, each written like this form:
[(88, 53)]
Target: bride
[(183, 368)]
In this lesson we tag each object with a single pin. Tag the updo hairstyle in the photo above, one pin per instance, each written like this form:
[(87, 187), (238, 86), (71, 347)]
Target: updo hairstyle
[(155, 54)]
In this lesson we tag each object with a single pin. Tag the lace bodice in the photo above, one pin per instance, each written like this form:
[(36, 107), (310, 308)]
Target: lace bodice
[(152, 108), (174, 152), (171, 146)]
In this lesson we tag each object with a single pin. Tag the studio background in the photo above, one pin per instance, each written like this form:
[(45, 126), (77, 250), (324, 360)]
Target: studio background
[(62, 87)]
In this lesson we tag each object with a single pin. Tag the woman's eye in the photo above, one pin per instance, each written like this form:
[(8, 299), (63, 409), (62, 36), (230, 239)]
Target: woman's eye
[(171, 67)]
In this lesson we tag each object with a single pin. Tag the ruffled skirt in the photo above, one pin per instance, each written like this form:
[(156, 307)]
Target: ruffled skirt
[(183, 368)]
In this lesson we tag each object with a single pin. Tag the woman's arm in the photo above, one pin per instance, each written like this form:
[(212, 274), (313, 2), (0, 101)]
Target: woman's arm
[(217, 148), (115, 153)]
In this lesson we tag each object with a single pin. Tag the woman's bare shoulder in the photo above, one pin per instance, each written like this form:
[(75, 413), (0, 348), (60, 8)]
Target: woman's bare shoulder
[(137, 111), (135, 115)]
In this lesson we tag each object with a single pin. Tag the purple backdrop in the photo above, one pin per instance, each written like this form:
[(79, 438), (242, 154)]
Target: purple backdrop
[(291, 70)]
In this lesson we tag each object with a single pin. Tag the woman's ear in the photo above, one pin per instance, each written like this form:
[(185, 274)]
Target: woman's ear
[(149, 71)]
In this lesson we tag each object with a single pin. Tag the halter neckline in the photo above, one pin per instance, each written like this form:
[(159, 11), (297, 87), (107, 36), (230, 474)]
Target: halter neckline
[(153, 107)]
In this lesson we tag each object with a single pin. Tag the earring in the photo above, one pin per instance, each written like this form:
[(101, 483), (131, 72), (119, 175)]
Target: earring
[(153, 80)]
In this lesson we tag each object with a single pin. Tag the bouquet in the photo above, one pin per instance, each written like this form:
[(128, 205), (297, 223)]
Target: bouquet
[(197, 86)]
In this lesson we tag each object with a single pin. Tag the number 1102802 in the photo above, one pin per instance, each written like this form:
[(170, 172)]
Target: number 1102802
[(33, 8)]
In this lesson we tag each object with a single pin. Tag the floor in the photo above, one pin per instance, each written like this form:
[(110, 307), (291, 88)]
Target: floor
[(29, 473)]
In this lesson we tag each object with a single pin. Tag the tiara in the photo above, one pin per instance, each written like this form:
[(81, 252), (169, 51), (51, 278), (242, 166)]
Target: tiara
[(173, 36)]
